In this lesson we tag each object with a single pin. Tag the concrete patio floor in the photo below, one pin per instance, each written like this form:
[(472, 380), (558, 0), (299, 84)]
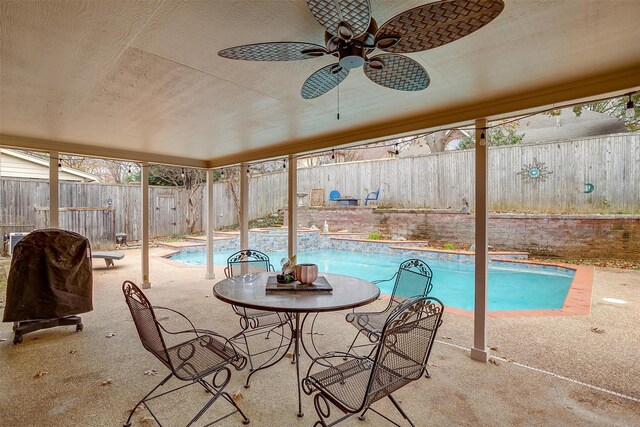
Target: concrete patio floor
[(572, 363)]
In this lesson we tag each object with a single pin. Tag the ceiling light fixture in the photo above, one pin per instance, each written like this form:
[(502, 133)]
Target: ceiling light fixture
[(631, 112)]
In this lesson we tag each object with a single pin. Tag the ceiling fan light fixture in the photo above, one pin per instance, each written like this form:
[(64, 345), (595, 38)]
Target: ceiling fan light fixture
[(351, 56)]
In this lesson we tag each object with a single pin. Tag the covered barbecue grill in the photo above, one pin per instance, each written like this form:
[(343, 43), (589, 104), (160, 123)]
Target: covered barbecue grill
[(50, 282)]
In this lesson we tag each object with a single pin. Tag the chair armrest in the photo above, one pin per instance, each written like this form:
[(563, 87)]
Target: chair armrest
[(375, 282), (193, 328)]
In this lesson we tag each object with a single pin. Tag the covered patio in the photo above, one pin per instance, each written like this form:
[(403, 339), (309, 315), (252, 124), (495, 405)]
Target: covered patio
[(142, 81), (533, 381)]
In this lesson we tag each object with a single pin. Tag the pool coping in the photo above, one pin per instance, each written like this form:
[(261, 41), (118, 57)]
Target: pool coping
[(576, 303)]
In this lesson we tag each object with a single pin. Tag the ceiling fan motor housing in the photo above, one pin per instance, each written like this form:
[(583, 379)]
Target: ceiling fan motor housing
[(351, 56)]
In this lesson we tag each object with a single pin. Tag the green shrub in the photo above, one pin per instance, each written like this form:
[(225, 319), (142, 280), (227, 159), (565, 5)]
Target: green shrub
[(374, 236), (449, 246)]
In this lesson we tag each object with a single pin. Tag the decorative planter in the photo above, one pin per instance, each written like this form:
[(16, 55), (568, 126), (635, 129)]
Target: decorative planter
[(306, 273)]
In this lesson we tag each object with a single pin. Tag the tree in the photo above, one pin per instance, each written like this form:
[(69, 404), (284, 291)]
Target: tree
[(192, 180), (616, 107), (231, 177), (496, 136)]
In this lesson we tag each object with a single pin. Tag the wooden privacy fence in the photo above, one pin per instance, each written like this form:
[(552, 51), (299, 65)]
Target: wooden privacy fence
[(96, 224), (610, 165)]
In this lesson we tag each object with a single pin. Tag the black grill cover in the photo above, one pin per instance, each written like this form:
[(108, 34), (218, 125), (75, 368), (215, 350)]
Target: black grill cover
[(50, 276)]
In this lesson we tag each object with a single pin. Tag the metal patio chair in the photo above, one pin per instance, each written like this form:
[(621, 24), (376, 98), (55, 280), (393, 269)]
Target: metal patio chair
[(372, 197), (353, 386), (413, 278), (255, 322), (205, 353)]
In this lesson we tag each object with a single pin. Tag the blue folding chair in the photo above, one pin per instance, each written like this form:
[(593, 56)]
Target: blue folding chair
[(372, 196)]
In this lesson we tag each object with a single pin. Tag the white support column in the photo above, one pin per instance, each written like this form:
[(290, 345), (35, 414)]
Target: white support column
[(244, 213), (293, 206), (54, 189), (144, 178), (244, 206), (479, 350), (210, 217)]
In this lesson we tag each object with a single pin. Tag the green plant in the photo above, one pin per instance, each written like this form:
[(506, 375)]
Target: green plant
[(374, 235), (449, 246)]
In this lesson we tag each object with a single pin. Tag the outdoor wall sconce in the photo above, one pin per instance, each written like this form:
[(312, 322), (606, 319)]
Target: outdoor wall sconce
[(109, 202)]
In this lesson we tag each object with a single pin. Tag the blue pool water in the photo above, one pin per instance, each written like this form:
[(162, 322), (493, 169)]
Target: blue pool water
[(511, 287)]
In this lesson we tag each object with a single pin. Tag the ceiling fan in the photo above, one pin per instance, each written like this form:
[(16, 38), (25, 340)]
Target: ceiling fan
[(352, 35)]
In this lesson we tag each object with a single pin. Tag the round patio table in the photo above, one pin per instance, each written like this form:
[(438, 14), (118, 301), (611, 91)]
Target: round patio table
[(250, 291)]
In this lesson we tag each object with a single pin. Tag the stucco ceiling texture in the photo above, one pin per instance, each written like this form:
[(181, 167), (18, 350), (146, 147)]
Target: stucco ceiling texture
[(143, 78)]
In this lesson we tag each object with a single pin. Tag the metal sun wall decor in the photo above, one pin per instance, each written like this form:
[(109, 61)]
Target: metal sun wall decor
[(535, 171), (352, 36)]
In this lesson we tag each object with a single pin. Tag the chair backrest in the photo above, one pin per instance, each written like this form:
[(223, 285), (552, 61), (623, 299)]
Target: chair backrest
[(375, 195), (145, 321), (334, 195), (405, 346), (247, 261), (413, 279)]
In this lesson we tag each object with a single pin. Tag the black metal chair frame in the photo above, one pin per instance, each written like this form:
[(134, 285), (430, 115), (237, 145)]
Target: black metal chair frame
[(370, 323), (187, 361), (405, 345), (257, 322)]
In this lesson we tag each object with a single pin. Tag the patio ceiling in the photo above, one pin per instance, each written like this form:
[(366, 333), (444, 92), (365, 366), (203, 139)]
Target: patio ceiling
[(142, 80)]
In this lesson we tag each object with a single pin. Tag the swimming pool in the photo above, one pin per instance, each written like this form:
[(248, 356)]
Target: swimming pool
[(511, 287)]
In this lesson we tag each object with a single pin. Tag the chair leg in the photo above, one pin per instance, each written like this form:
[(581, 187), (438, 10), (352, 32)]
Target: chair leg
[(218, 390), (362, 417), (233, 402), (353, 343), (406, 417), (163, 382), (246, 343)]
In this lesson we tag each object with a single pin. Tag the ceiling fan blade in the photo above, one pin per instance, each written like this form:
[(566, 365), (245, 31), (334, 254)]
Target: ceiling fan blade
[(436, 24), (274, 51), (398, 72), (356, 14), (323, 80)]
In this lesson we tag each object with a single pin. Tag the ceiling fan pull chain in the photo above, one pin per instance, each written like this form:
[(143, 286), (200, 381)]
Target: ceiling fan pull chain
[(338, 115)]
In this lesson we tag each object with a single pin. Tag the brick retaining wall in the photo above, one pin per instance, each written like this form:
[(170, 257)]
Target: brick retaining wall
[(567, 236)]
